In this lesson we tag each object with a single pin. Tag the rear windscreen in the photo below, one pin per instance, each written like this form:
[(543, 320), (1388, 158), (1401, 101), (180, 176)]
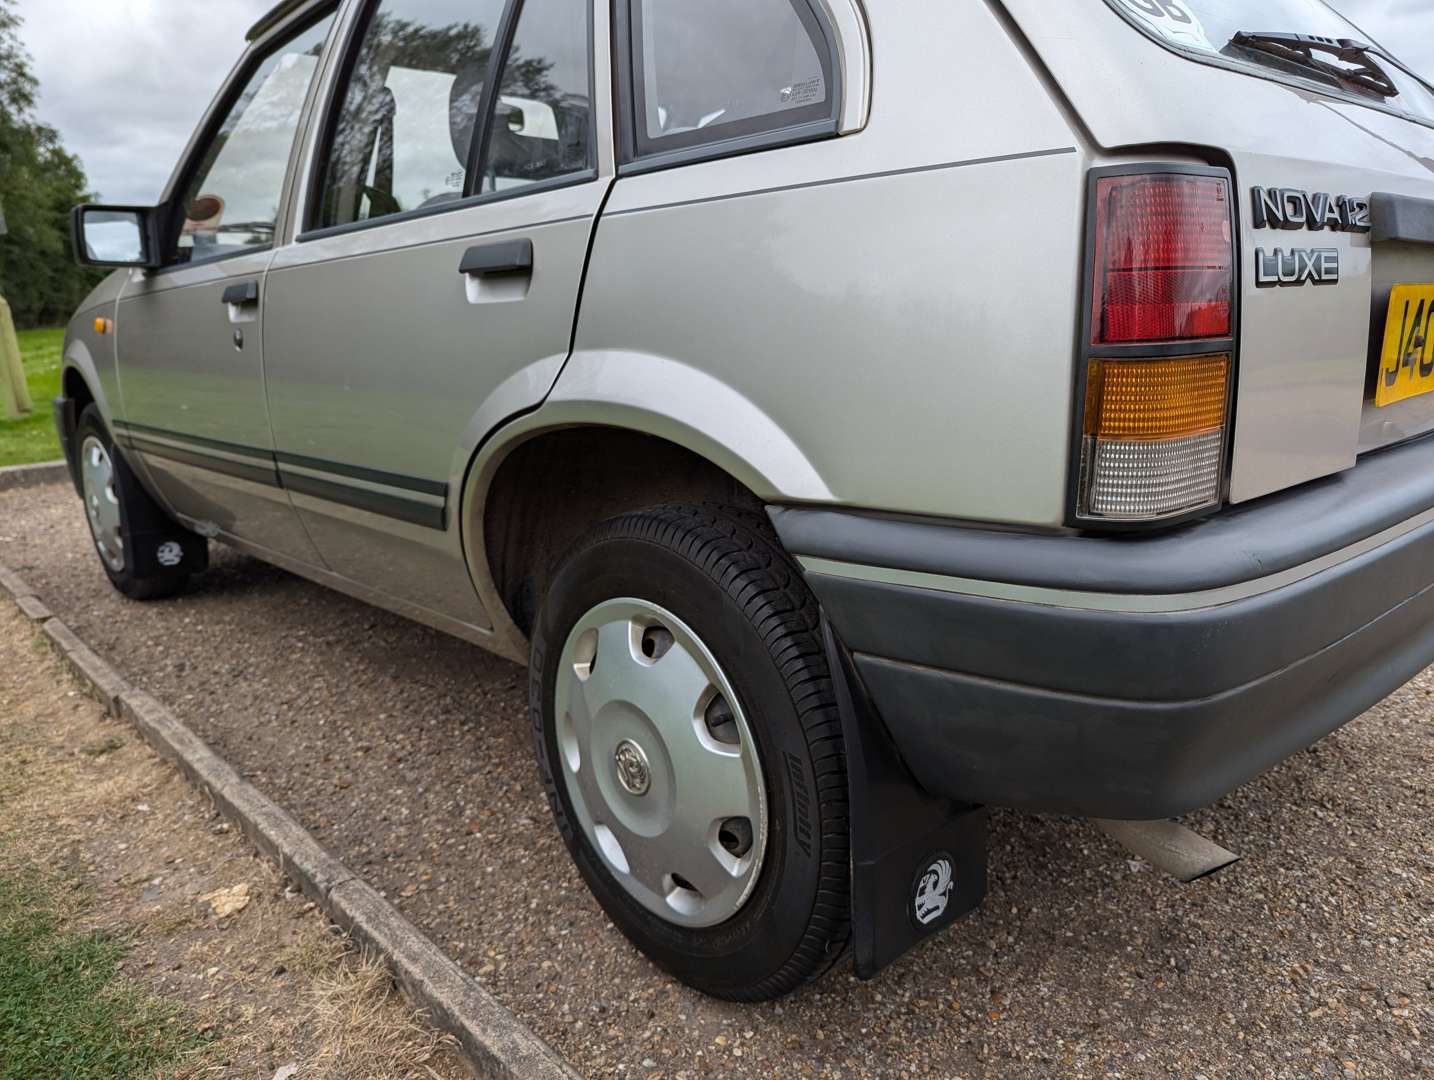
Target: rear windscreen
[(1211, 30)]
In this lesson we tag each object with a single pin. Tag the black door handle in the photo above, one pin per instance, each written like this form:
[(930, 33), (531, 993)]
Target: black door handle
[(242, 292), (509, 257)]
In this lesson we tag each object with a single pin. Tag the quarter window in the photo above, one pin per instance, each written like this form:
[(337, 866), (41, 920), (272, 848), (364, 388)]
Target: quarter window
[(707, 72), (231, 203)]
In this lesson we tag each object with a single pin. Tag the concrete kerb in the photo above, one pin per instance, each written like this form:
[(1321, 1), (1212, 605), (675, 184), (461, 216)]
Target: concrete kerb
[(495, 1042), (24, 476)]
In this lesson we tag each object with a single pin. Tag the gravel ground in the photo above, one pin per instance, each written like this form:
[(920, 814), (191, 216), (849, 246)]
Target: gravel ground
[(406, 753)]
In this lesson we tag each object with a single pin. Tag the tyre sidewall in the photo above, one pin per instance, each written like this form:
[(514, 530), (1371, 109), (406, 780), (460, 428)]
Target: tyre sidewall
[(136, 588), (91, 423), (767, 930)]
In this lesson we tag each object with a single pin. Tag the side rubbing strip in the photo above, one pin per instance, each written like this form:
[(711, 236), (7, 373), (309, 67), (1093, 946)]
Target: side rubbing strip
[(372, 476), (393, 506), (257, 473), (198, 441), (346, 485)]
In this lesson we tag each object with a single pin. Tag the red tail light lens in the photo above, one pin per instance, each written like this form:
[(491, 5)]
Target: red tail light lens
[(1164, 259)]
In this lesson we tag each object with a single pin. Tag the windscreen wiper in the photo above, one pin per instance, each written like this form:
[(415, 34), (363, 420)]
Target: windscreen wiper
[(1300, 49)]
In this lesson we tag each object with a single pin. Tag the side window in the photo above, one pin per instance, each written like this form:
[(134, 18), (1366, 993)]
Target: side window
[(232, 200), (415, 94), (706, 72), (542, 121), (402, 133)]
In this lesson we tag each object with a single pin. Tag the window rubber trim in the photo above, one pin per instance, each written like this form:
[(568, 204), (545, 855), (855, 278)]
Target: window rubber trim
[(638, 154)]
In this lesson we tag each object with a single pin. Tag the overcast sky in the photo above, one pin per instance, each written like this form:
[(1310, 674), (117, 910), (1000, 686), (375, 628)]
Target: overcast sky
[(126, 82)]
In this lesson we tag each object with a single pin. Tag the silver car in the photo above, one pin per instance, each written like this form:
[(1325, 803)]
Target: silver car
[(856, 414)]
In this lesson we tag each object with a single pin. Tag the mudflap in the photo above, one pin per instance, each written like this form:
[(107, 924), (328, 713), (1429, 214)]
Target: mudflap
[(65, 421), (918, 861), (156, 545)]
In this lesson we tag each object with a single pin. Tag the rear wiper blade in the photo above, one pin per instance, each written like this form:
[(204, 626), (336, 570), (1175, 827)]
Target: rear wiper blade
[(1300, 49)]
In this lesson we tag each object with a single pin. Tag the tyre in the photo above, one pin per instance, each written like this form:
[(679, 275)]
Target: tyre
[(121, 514), (691, 748)]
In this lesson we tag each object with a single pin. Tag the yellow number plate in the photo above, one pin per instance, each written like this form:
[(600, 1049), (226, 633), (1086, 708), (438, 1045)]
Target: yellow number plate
[(1406, 364)]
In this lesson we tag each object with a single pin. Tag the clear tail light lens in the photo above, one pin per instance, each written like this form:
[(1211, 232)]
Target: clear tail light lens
[(1159, 356)]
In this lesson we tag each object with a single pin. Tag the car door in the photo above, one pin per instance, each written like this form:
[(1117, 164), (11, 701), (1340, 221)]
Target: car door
[(432, 291), (190, 335)]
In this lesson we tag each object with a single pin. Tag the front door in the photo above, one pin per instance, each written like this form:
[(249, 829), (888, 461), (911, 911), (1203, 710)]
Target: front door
[(438, 275), (190, 336)]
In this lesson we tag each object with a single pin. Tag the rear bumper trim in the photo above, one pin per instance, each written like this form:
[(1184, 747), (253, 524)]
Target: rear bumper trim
[(1151, 705), (1243, 543), (1110, 601)]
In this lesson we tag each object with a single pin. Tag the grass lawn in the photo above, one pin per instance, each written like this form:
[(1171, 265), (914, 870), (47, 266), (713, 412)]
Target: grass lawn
[(63, 1012), (33, 438)]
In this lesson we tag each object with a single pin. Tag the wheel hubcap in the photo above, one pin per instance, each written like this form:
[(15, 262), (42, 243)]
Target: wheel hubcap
[(659, 764), (97, 480)]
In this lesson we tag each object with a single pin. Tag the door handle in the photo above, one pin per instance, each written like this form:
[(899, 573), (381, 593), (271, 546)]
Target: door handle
[(243, 292), (509, 257)]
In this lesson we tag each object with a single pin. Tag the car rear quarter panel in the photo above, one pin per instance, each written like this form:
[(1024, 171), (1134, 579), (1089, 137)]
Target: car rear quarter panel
[(896, 306)]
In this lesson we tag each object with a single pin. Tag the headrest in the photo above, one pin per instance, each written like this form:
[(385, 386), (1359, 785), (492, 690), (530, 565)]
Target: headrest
[(463, 100)]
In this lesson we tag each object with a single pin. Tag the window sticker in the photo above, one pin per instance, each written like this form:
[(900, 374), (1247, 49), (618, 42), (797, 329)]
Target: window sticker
[(1172, 20)]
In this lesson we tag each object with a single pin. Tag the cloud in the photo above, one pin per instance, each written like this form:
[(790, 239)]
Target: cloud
[(126, 83), (1401, 26)]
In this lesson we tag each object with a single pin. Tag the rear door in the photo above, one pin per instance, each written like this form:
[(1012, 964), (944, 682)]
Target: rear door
[(433, 287), (190, 336)]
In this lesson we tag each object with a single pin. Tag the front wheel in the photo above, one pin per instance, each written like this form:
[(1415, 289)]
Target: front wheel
[(692, 750), (121, 516)]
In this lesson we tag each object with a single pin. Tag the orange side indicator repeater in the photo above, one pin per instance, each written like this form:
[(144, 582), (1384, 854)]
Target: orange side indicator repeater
[(103, 326)]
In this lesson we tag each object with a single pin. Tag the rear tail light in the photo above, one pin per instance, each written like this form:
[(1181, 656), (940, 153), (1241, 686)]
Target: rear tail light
[(1163, 258), (1158, 362)]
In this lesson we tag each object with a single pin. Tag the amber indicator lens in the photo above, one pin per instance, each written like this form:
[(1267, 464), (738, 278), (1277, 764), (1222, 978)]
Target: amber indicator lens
[(1156, 399)]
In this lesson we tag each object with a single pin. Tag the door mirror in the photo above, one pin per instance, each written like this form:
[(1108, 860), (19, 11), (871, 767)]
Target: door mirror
[(115, 236)]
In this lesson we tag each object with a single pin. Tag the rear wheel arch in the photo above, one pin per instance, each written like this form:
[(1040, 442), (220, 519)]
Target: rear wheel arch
[(526, 502)]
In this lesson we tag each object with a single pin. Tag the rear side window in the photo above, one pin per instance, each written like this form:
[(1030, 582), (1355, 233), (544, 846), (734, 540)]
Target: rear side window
[(406, 116), (706, 72)]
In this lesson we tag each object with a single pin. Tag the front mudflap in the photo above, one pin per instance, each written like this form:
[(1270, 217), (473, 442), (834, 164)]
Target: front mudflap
[(918, 861), (156, 545)]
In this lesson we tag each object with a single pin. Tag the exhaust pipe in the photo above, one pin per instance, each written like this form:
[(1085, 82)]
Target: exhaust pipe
[(1170, 846)]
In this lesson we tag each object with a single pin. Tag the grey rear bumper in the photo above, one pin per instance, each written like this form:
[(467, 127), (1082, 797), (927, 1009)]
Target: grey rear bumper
[(1138, 677)]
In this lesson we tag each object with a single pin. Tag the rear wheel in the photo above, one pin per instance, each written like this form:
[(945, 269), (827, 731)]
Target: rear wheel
[(113, 502), (692, 750)]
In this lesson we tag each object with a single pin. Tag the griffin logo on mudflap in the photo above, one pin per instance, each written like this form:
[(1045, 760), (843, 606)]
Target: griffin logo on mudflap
[(933, 890)]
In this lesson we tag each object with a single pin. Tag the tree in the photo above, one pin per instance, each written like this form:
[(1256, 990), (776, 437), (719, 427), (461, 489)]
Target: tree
[(40, 182)]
